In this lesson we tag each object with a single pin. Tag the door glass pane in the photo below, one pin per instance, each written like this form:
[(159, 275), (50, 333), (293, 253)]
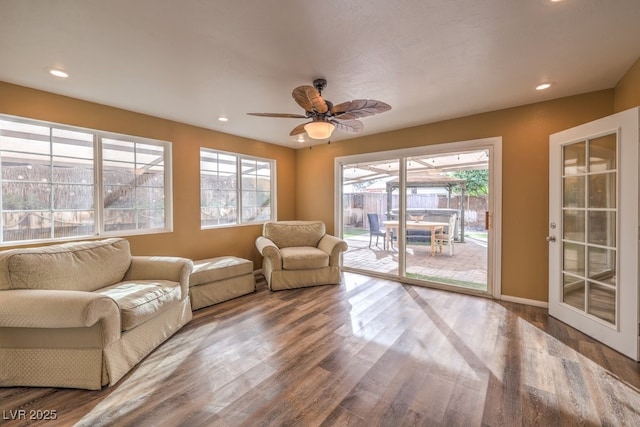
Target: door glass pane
[(574, 157), (602, 265), (602, 302), (602, 153), (369, 198), (602, 228), (573, 291), (442, 246), (602, 190), (573, 225), (573, 195), (573, 259)]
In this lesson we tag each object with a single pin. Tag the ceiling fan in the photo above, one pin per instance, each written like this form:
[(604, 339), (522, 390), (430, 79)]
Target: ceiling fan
[(326, 117)]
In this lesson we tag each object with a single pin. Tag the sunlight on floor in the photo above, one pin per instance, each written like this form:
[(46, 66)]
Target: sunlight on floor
[(148, 377)]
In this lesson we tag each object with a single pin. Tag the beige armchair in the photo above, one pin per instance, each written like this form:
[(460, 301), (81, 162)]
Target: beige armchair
[(298, 254)]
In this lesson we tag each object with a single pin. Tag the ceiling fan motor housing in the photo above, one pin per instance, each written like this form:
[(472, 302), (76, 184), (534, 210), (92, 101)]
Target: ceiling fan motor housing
[(320, 84)]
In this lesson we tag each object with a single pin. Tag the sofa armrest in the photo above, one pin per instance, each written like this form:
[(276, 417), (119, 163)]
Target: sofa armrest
[(161, 268), (333, 246), (36, 308), (268, 249)]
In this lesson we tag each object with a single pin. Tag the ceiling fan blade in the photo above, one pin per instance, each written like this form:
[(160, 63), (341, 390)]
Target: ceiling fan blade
[(359, 108), (298, 129), (282, 115), (349, 126), (310, 99)]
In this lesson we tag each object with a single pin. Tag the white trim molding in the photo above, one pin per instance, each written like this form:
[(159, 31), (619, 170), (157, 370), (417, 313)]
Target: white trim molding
[(524, 301)]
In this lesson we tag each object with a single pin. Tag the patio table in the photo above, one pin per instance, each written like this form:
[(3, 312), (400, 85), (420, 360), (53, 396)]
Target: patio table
[(432, 226)]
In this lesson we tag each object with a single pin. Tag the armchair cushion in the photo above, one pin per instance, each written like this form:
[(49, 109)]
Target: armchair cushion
[(285, 234), (304, 258)]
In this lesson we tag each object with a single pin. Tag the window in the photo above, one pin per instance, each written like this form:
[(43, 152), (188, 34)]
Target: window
[(61, 182), (133, 175), (235, 189)]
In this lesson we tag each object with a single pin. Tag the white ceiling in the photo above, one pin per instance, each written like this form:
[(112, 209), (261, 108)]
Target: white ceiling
[(193, 60)]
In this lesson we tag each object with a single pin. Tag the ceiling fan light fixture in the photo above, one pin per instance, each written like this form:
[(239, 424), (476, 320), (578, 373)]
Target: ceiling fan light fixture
[(325, 116), (319, 129)]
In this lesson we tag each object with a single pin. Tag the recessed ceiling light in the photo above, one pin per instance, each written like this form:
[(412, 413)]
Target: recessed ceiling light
[(58, 73), (544, 86), (223, 119), (300, 138)]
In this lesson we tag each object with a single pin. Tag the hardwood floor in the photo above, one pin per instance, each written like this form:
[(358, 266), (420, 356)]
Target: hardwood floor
[(367, 352)]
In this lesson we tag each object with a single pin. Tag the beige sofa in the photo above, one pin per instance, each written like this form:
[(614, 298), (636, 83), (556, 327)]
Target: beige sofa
[(82, 314), (298, 254)]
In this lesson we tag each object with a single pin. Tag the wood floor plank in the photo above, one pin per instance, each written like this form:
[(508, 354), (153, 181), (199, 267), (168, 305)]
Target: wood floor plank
[(535, 408), (367, 352)]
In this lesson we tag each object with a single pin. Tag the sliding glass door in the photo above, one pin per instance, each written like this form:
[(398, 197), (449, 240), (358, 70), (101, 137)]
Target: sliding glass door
[(367, 207), (421, 215), (446, 204)]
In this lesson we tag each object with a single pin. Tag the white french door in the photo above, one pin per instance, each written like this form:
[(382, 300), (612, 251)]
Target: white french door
[(593, 229)]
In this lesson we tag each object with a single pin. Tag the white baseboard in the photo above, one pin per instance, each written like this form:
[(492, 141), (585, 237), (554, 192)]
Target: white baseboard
[(525, 301)]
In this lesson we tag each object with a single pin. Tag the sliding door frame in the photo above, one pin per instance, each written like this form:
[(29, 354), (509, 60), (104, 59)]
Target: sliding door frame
[(494, 146)]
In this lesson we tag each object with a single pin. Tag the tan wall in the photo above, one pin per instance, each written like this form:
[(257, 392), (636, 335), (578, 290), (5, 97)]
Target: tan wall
[(627, 92), (187, 239), (525, 137), (309, 174)]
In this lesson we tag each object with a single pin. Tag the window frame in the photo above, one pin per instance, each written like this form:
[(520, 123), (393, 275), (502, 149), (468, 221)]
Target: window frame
[(239, 207), (98, 209), (168, 184)]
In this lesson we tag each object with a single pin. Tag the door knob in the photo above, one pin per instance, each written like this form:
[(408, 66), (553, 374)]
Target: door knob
[(551, 238)]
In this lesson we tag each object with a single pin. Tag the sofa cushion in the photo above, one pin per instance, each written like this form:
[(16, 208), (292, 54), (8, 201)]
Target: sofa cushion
[(141, 300), (294, 233), (77, 266), (304, 258)]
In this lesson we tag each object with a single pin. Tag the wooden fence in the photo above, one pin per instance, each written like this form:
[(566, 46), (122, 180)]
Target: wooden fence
[(357, 205)]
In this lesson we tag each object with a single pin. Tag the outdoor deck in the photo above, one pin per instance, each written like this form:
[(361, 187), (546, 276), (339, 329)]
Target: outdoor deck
[(466, 268)]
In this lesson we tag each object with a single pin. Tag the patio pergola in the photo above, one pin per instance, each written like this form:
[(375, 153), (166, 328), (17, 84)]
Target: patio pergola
[(426, 180)]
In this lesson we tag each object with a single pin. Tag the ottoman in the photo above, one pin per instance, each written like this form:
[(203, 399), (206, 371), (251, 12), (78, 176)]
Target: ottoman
[(220, 279)]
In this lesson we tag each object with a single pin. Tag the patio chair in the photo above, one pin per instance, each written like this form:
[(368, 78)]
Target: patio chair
[(375, 230), (442, 238)]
